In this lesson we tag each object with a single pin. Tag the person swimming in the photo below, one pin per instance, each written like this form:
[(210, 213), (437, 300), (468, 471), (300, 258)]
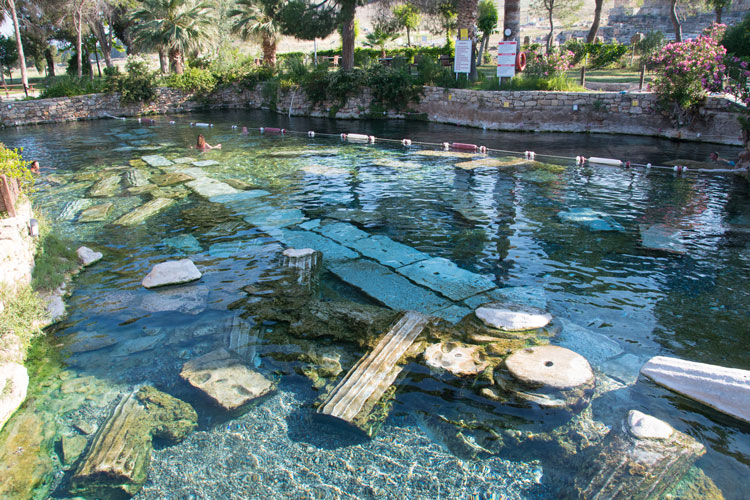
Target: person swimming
[(202, 144), (722, 161), (34, 167)]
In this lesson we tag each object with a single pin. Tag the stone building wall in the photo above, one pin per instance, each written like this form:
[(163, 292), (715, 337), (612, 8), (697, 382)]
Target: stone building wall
[(594, 112)]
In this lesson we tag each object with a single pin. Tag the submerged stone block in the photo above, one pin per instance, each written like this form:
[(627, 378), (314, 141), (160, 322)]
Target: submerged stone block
[(207, 187), (186, 243), (640, 459), (156, 160), (205, 163), (596, 347), (332, 251), (387, 252), (107, 187), (447, 278), (387, 287), (145, 211), (662, 237), (590, 219), (304, 264), (271, 218), (97, 213), (341, 232), (225, 379)]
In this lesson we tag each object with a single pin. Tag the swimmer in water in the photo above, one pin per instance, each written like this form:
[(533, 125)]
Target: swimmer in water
[(202, 144)]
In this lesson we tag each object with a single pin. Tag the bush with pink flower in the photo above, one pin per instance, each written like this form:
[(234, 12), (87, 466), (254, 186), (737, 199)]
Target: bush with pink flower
[(548, 65), (688, 70)]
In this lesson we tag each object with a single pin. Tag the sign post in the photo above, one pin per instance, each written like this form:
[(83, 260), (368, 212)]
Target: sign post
[(506, 58), (462, 61)]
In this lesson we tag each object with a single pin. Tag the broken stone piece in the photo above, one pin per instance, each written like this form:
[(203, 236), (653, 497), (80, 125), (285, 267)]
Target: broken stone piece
[(171, 272), (72, 447), (87, 256), (455, 358), (724, 389), (144, 211), (511, 317), (225, 379), (640, 459), (14, 381)]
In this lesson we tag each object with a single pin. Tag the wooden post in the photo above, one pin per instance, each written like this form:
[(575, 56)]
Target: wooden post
[(9, 191)]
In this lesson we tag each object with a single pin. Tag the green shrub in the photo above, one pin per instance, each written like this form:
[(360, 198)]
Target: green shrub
[(14, 166), (137, 85), (23, 312), (196, 80), (392, 87), (69, 86), (54, 260), (737, 39)]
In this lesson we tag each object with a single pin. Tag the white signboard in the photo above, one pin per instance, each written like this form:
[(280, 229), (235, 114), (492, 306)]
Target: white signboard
[(462, 61), (506, 58)]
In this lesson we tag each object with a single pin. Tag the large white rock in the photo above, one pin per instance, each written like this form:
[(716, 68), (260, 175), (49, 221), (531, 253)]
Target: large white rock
[(86, 256), (724, 389), (171, 272), (512, 318), (14, 381), (645, 426), (550, 366)]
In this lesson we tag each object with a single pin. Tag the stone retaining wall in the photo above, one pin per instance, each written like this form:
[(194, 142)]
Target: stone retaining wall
[(595, 112), (16, 247)]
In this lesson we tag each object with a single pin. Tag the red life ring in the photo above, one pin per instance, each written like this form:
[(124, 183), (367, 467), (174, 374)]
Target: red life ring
[(521, 61)]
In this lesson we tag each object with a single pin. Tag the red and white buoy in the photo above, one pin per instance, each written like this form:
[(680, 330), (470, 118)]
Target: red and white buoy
[(272, 130)]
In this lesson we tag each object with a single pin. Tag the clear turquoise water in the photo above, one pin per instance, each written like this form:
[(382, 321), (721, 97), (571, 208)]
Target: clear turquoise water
[(499, 222)]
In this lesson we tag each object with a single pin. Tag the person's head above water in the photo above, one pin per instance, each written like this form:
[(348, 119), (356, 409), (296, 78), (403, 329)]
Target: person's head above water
[(715, 155), (201, 144)]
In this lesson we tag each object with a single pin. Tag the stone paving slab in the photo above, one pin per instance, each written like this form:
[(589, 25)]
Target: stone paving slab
[(595, 347), (590, 219), (387, 252), (387, 287), (310, 225), (341, 232), (332, 251), (205, 163), (156, 160), (447, 278), (208, 188), (453, 313), (269, 217), (662, 237), (226, 249), (243, 202)]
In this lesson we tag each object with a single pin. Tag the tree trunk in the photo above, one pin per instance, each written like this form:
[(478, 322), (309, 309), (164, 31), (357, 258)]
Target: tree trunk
[(21, 59), (79, 43), (98, 67), (268, 46), (50, 63), (347, 34), (408, 37), (467, 19), (675, 21), (591, 37), (718, 10), (105, 40), (512, 20), (2, 75), (175, 60), (163, 62), (551, 34)]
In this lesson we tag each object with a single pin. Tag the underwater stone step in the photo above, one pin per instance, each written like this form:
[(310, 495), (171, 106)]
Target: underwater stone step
[(387, 287), (268, 218), (523, 295), (144, 211), (332, 251), (590, 219), (447, 278), (242, 202), (662, 237), (363, 387), (640, 459), (107, 187), (207, 187), (205, 163), (724, 389)]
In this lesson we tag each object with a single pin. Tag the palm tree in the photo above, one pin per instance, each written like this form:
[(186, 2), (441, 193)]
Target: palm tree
[(175, 27), (257, 20)]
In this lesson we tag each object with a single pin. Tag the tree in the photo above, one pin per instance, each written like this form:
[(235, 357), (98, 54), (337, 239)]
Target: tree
[(378, 37), (8, 56), (561, 9), (407, 17), (718, 6), (487, 24), (675, 21), (512, 19), (598, 5), (176, 27), (9, 6), (257, 20)]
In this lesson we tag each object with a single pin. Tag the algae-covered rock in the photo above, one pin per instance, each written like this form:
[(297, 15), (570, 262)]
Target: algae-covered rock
[(136, 177), (144, 211), (72, 447), (695, 485), (458, 359), (170, 178), (171, 418), (108, 186), (97, 213), (25, 457)]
